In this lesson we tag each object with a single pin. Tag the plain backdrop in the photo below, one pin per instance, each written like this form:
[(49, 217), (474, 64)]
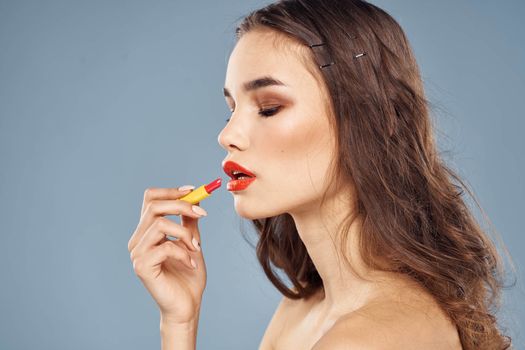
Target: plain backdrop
[(101, 99)]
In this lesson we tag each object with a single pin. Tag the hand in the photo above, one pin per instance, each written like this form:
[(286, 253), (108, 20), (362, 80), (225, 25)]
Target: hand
[(164, 266)]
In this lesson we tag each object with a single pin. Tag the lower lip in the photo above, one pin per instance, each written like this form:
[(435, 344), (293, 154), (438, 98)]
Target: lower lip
[(239, 185)]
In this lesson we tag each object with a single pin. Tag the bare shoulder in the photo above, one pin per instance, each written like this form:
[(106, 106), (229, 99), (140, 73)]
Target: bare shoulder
[(391, 325), (286, 310), (276, 323)]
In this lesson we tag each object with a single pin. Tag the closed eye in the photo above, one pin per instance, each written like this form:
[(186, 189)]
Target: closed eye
[(269, 111), (265, 112)]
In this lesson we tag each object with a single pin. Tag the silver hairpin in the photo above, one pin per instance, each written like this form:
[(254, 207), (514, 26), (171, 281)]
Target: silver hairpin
[(332, 63), (321, 44)]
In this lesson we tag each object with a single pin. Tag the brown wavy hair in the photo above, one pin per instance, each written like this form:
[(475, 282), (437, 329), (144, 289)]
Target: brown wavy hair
[(415, 219)]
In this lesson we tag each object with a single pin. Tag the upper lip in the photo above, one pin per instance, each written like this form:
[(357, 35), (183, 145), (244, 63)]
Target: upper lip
[(229, 166)]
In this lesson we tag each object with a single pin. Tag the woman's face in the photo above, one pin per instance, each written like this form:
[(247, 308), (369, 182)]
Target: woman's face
[(289, 151)]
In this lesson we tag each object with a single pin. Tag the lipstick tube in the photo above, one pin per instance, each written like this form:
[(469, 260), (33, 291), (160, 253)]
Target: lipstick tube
[(202, 192)]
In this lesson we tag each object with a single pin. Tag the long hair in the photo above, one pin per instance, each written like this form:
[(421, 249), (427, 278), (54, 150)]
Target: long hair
[(415, 219)]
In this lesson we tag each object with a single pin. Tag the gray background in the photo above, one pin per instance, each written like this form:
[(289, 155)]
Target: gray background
[(98, 101)]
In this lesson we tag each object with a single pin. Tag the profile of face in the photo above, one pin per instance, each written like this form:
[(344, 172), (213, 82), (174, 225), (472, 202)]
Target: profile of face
[(281, 133)]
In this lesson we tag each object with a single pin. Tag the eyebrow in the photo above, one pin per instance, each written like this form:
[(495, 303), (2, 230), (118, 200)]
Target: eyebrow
[(257, 84)]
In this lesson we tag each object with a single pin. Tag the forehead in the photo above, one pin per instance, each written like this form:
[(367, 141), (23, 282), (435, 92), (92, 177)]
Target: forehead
[(267, 53)]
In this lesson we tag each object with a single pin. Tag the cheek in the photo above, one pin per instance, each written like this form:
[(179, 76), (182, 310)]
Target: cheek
[(297, 151), (292, 157)]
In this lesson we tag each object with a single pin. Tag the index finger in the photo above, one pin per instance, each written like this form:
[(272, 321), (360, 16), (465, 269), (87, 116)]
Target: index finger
[(154, 193)]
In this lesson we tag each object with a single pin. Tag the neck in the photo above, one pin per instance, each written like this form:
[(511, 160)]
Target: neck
[(343, 289)]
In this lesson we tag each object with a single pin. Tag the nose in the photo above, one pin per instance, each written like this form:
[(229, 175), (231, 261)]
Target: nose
[(232, 137)]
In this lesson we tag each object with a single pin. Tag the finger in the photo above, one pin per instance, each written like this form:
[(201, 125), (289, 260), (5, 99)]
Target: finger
[(171, 207), (192, 224), (168, 250), (157, 208), (158, 231), (154, 193)]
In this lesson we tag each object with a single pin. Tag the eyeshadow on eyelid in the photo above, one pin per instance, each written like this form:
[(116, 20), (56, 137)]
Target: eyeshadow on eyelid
[(267, 98), (270, 98)]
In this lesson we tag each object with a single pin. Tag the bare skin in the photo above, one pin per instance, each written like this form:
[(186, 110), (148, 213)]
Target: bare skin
[(290, 152), (408, 318)]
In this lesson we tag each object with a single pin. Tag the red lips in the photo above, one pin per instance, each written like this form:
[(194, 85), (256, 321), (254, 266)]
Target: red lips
[(230, 166), (237, 184)]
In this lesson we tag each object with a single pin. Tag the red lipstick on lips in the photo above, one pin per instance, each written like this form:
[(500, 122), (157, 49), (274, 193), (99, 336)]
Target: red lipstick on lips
[(234, 171)]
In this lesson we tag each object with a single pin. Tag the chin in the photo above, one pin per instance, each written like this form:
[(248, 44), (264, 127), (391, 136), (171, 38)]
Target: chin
[(248, 214), (255, 212)]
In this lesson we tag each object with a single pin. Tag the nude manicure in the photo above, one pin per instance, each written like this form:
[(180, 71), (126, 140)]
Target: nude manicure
[(198, 210), (193, 263), (195, 244)]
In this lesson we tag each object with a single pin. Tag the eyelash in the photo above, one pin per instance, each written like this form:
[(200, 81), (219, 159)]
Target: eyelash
[(266, 113)]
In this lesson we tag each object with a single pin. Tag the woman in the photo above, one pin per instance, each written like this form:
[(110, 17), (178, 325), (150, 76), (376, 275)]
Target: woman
[(328, 107)]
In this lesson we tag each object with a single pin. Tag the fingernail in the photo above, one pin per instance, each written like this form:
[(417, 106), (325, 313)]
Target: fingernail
[(186, 187), (193, 263), (195, 244), (198, 210)]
